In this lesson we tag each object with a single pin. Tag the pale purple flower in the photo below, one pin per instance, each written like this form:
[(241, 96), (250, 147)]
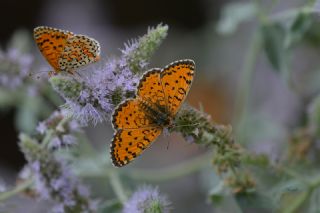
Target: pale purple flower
[(39, 185), (59, 208), (25, 173), (61, 185), (63, 136), (14, 68), (42, 127), (146, 199)]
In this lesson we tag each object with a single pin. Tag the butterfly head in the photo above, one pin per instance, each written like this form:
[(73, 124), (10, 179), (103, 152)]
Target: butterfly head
[(162, 119)]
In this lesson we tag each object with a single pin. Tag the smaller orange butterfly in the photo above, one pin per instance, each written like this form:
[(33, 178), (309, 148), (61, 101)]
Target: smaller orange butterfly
[(64, 50), (139, 121)]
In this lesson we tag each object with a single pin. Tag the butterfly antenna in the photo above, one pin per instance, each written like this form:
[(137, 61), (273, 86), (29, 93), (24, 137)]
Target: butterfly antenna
[(166, 133), (185, 125), (78, 74), (38, 75)]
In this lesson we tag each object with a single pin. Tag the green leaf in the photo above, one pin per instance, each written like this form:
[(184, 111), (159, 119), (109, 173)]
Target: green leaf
[(313, 34), (233, 15), (217, 193), (273, 39), (29, 111), (287, 194), (314, 204), (110, 206), (298, 29), (7, 98), (254, 201), (314, 115)]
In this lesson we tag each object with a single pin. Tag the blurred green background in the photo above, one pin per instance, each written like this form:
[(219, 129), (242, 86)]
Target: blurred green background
[(196, 31)]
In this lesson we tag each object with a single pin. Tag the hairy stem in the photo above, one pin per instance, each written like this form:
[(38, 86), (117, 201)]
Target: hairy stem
[(117, 186), (162, 174), (18, 189), (173, 172), (242, 101)]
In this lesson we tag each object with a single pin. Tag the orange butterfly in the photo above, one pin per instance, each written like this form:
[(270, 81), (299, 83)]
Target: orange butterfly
[(64, 50), (139, 121)]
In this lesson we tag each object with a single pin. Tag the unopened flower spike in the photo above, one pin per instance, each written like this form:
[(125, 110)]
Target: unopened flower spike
[(196, 126)]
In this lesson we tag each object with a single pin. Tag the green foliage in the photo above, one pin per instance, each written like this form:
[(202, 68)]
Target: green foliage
[(233, 15), (236, 179), (273, 40)]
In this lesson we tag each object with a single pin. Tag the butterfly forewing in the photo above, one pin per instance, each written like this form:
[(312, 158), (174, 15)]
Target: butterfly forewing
[(150, 88), (176, 80), (51, 43)]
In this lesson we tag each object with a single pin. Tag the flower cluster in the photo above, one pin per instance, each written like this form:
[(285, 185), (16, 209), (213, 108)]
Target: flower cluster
[(64, 129), (54, 180), (147, 199), (94, 97), (15, 67)]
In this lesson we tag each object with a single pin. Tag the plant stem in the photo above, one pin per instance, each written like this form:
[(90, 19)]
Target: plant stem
[(291, 13), (173, 172), (47, 138), (242, 101), (162, 174), (19, 188), (117, 186)]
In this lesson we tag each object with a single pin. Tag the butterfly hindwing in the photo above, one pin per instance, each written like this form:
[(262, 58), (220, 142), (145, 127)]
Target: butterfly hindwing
[(79, 50), (128, 144)]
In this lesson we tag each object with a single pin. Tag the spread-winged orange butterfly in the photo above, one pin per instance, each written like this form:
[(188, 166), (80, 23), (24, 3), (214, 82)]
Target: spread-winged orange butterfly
[(140, 120), (64, 50)]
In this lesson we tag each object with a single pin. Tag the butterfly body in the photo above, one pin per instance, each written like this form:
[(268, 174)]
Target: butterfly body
[(157, 114), (64, 50), (140, 120)]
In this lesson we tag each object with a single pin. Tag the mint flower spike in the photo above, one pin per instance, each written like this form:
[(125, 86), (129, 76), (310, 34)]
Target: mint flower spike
[(147, 199), (138, 53), (93, 97), (54, 180)]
